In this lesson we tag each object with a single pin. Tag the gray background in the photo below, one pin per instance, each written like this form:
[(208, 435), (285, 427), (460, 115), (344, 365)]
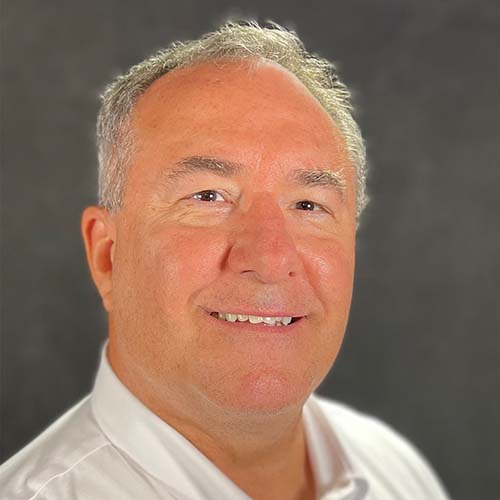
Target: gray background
[(422, 349)]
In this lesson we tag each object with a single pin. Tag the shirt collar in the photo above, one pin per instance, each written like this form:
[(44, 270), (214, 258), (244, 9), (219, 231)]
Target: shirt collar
[(334, 474), (164, 453), (156, 446)]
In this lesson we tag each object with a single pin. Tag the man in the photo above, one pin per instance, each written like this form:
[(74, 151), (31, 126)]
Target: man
[(231, 184)]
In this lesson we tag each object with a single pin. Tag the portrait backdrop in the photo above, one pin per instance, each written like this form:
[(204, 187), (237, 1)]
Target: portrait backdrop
[(422, 347)]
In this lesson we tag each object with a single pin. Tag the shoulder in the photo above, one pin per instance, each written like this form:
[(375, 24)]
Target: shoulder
[(68, 445), (380, 452), (74, 459)]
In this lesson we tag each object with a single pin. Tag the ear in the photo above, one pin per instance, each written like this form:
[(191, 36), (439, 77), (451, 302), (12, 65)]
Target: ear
[(98, 231)]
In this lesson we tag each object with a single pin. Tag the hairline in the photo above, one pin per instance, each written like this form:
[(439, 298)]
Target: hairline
[(125, 135), (117, 144)]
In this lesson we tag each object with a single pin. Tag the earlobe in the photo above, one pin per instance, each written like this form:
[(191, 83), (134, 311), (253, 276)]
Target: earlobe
[(99, 237)]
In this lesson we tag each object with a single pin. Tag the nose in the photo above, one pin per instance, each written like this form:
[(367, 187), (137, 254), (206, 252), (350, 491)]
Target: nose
[(263, 248)]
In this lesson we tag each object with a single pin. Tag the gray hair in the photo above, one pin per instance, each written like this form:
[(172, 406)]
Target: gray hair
[(241, 40)]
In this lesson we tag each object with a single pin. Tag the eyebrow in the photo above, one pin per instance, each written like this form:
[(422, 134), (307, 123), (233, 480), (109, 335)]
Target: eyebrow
[(224, 168), (194, 164), (321, 178)]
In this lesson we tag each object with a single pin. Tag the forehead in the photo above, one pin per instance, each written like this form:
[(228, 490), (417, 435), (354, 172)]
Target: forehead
[(233, 79), (229, 90), (246, 110)]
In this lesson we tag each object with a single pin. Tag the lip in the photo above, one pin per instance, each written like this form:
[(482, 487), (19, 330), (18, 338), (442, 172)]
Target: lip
[(259, 327)]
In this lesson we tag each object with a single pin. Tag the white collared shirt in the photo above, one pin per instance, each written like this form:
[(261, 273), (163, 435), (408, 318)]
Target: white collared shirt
[(111, 447)]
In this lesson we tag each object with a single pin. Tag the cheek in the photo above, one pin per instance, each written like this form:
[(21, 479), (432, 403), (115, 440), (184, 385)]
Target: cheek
[(159, 275), (330, 268), (182, 261), (331, 272)]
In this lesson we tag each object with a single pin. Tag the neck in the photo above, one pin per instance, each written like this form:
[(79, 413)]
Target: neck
[(265, 455)]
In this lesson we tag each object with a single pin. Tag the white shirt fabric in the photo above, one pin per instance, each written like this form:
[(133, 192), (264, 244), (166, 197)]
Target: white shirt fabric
[(111, 447)]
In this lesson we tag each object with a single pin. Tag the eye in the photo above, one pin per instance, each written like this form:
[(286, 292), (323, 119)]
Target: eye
[(208, 195), (308, 205)]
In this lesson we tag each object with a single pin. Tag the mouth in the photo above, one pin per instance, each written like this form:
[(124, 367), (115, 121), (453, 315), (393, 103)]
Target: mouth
[(276, 321)]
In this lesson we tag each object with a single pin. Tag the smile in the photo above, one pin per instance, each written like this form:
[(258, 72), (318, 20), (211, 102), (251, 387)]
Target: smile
[(248, 318)]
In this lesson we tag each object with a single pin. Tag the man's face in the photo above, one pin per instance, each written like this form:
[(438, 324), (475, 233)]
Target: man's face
[(215, 220)]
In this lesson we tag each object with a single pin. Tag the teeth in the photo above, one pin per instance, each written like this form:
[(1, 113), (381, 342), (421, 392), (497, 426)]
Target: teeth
[(267, 320)]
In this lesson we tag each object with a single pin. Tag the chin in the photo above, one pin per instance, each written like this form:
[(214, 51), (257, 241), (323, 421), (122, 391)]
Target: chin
[(263, 393)]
